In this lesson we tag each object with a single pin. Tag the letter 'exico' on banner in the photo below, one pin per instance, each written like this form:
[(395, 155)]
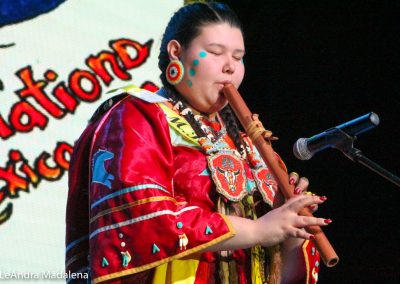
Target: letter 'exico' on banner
[(58, 60)]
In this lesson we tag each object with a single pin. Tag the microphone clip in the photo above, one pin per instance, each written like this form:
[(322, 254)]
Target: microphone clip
[(344, 143)]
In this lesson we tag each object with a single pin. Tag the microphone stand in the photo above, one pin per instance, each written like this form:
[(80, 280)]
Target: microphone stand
[(356, 155)]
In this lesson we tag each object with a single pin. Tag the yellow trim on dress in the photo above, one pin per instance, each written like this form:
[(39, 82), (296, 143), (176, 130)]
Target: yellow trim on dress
[(177, 271), (305, 254), (256, 277)]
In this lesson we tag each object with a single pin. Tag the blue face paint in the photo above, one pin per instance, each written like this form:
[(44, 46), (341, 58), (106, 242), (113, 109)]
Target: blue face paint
[(242, 61), (189, 82), (202, 54), (192, 72), (196, 62)]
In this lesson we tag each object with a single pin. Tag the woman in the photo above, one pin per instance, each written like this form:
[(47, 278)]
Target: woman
[(173, 191)]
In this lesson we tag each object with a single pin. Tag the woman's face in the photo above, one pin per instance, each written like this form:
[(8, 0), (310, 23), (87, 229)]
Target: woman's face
[(212, 59)]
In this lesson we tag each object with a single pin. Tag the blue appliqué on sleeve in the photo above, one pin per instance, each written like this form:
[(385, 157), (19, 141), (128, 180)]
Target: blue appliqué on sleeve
[(99, 172)]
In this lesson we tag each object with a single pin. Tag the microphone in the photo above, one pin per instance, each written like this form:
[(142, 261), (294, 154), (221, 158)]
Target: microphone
[(305, 148)]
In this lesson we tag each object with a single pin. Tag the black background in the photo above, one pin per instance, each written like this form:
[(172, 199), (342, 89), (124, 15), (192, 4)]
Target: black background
[(312, 65)]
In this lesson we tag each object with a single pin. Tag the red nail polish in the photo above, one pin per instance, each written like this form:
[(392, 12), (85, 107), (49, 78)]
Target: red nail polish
[(291, 181), (312, 237), (328, 221), (297, 190), (323, 198), (311, 207)]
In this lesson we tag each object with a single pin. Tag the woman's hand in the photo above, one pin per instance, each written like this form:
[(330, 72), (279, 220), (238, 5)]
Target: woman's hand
[(300, 186), (284, 222), (280, 225), (293, 265)]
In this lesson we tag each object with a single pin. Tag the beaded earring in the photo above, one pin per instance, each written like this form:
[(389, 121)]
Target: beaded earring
[(175, 72)]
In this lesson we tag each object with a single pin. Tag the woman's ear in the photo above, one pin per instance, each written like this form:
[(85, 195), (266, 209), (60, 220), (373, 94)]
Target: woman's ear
[(174, 49)]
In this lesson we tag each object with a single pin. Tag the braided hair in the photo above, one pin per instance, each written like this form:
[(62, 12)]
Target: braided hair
[(184, 26)]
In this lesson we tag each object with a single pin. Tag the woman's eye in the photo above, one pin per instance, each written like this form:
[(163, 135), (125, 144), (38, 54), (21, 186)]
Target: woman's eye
[(215, 52)]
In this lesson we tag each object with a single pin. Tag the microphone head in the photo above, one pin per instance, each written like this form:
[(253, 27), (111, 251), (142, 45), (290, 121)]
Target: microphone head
[(374, 118), (300, 150)]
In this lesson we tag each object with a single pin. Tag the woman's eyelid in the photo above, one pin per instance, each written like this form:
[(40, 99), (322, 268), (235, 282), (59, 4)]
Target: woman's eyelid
[(238, 56), (216, 51)]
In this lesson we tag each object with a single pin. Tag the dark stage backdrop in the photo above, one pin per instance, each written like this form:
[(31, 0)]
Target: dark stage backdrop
[(312, 65)]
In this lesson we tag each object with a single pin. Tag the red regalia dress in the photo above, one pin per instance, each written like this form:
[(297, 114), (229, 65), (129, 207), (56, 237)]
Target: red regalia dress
[(142, 204)]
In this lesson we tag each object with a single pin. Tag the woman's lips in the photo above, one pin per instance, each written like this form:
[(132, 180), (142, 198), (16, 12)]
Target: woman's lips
[(222, 84)]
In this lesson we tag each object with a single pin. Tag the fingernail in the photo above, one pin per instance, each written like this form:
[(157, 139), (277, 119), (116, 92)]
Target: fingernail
[(312, 237), (312, 207), (328, 221), (291, 181), (297, 190), (323, 198)]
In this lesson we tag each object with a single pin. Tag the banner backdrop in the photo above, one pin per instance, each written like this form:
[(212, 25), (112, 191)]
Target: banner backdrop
[(58, 60)]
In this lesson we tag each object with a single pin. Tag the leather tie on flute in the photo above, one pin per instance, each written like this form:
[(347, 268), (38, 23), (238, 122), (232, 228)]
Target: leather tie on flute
[(261, 140)]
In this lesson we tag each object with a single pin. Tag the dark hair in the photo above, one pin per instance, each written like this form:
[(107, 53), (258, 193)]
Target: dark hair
[(184, 26)]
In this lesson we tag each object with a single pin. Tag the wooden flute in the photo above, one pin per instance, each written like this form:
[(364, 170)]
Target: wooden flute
[(266, 151)]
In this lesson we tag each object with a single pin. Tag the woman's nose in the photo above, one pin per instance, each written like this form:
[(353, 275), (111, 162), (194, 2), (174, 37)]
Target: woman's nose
[(229, 66)]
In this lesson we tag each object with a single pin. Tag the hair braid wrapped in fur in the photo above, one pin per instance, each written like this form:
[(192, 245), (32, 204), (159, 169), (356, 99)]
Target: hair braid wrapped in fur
[(232, 127)]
